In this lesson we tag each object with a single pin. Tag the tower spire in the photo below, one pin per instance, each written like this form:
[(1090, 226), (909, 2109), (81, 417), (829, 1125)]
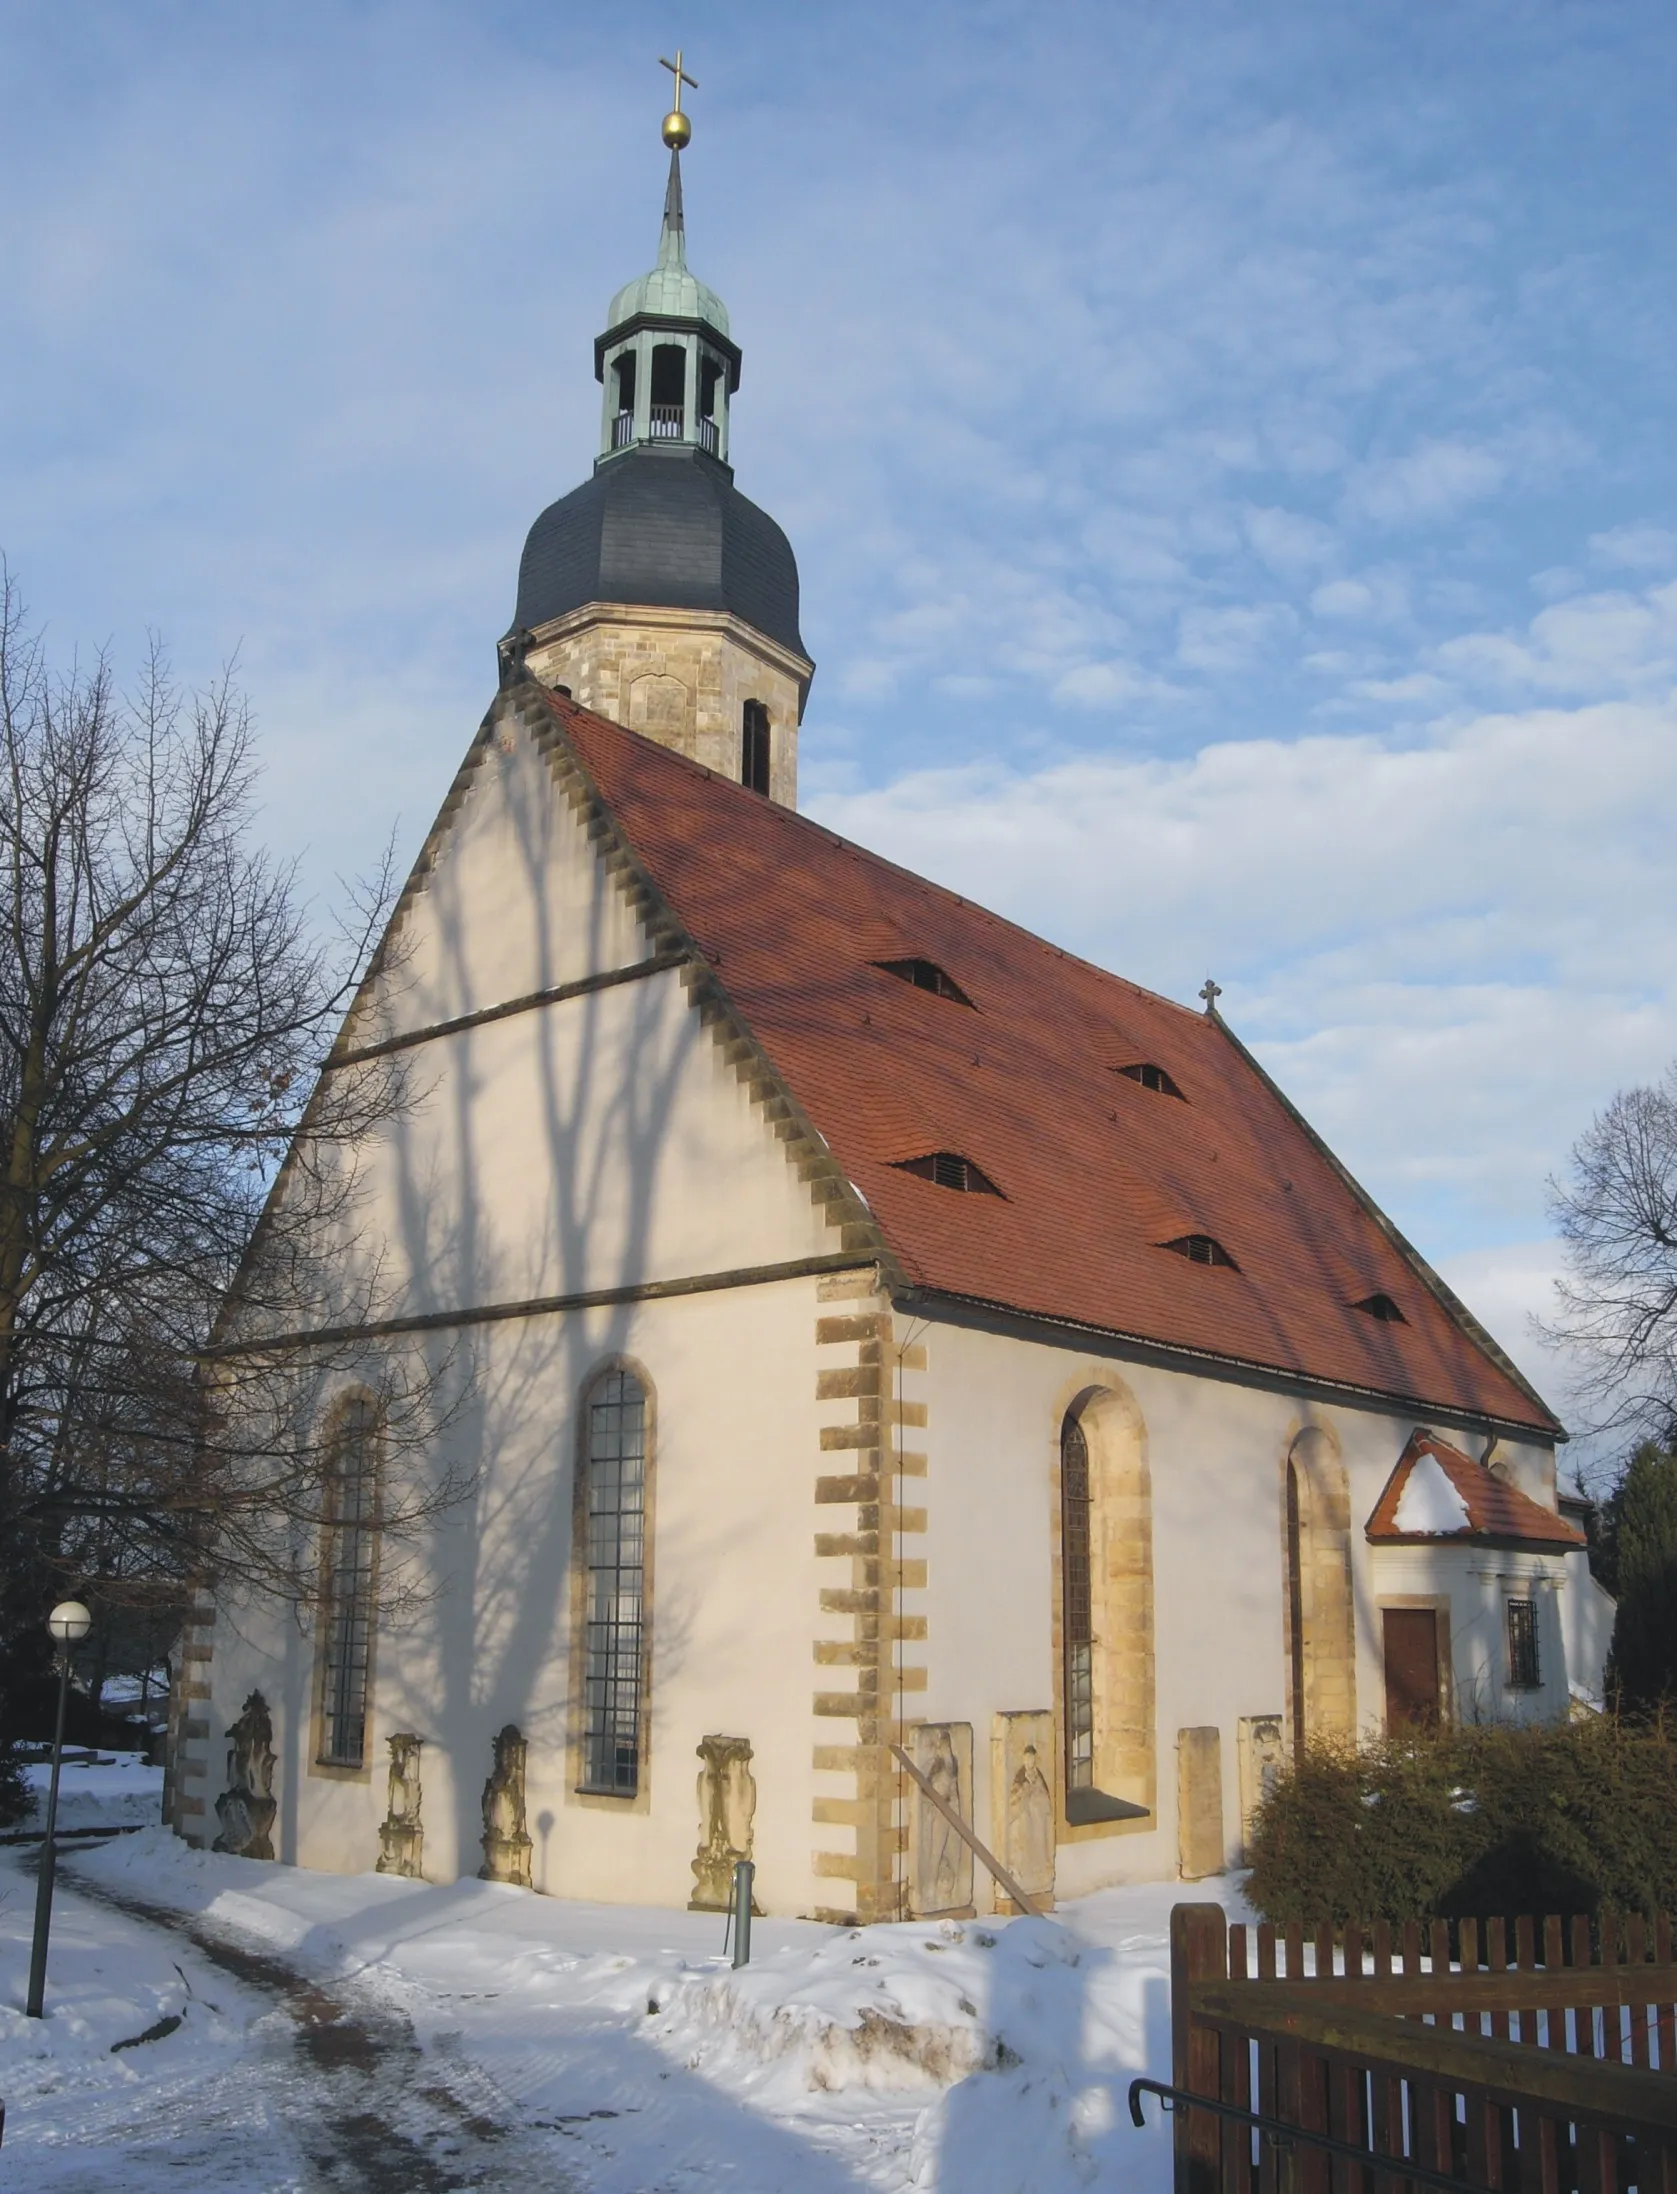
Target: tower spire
[(672, 237)]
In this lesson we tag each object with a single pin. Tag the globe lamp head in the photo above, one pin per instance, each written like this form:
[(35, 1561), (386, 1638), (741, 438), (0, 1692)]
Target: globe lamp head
[(678, 131), (69, 1622)]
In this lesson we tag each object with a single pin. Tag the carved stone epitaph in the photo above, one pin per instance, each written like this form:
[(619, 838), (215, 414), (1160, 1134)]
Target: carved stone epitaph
[(1263, 1754), (401, 1838), (1199, 1803), (727, 1805), (940, 1874), (506, 1839), (1021, 1762), (247, 1807)]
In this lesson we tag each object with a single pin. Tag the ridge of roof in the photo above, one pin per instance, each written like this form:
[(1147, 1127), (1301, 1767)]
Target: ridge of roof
[(1029, 1096), (1497, 1513), (795, 817), (1439, 1287)]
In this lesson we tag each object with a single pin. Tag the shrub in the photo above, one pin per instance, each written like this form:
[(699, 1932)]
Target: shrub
[(1477, 1821)]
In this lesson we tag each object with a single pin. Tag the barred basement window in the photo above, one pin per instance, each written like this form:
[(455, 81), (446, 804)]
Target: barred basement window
[(1077, 1606), (349, 1555), (925, 975), (1152, 1077), (949, 1170), (1383, 1308), (754, 747), (614, 1524), (1200, 1249), (1524, 1674)]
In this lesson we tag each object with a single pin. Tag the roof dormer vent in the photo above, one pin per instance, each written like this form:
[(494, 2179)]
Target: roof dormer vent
[(1381, 1307), (925, 975), (1152, 1077), (1201, 1249), (949, 1170)]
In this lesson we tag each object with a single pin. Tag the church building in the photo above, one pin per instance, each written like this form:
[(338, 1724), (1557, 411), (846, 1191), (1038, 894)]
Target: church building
[(877, 1332)]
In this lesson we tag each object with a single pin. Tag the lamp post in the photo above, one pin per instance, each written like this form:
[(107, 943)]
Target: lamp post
[(69, 1623)]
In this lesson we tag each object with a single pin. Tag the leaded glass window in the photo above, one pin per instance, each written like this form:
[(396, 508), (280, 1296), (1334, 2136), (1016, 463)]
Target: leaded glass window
[(1077, 1611), (350, 1549), (614, 1524)]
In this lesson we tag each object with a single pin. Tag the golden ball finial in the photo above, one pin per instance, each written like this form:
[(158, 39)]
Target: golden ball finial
[(678, 130)]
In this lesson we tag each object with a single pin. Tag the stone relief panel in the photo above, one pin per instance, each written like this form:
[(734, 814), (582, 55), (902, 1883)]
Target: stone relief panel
[(247, 1807), (1263, 1754), (506, 1838), (1199, 1803), (401, 1837), (1022, 1798), (940, 1860), (662, 708), (727, 1807)]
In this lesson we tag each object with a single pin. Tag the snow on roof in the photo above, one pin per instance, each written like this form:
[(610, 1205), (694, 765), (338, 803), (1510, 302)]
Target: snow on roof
[(1437, 1492), (1429, 1503)]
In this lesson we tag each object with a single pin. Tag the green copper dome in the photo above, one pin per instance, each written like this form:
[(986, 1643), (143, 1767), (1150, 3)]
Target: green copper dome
[(670, 290)]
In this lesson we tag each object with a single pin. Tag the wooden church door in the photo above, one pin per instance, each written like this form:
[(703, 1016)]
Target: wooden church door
[(1410, 1639)]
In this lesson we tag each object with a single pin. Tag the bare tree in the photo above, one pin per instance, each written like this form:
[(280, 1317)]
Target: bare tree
[(1616, 1212), (165, 1007)]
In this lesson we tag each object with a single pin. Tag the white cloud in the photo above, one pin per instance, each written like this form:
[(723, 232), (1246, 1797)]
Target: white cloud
[(1433, 481), (1593, 643), (1636, 548)]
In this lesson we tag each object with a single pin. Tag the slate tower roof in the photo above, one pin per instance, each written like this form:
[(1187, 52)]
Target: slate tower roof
[(661, 523)]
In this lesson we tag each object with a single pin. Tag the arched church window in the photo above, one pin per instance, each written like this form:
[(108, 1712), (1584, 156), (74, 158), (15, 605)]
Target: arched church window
[(669, 391), (349, 1555), (1077, 1613), (614, 1553), (1106, 1614), (1321, 1643), (754, 747)]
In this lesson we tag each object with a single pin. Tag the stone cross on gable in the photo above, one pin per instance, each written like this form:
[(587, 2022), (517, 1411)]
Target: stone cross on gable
[(1211, 993)]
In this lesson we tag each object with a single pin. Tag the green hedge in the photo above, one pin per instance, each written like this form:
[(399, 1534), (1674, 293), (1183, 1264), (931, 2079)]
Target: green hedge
[(1476, 1821)]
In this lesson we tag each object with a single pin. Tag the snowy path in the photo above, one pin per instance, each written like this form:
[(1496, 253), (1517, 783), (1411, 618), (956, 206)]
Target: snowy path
[(262, 2073), (360, 2031)]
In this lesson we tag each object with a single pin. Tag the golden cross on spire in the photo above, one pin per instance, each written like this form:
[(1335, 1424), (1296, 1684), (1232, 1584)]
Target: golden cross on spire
[(677, 129)]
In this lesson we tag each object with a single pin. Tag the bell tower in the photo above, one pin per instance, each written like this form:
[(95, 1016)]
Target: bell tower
[(655, 592)]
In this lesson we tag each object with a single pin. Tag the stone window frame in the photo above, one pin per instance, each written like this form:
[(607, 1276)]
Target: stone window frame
[(576, 1719), (339, 1771), (1294, 1457), (1076, 1395)]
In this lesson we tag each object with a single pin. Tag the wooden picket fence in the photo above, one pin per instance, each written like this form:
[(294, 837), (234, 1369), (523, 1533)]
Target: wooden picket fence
[(1531, 2056)]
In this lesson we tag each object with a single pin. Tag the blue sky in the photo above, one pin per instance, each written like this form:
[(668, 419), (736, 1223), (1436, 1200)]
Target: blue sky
[(1228, 448)]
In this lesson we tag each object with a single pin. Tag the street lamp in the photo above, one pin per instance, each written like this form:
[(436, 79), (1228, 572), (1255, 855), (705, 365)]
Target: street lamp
[(68, 1624)]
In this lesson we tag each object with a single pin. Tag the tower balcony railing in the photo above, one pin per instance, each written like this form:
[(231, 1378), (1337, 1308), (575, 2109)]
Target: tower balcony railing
[(665, 422), (709, 438), (623, 430)]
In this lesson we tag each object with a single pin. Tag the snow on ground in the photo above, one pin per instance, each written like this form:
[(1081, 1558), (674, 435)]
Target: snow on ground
[(109, 1790), (989, 2057)]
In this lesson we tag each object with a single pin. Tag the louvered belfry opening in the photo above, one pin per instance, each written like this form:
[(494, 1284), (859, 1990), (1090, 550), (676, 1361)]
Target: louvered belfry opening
[(754, 747)]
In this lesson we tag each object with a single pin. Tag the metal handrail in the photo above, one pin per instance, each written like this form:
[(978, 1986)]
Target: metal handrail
[(1283, 2135)]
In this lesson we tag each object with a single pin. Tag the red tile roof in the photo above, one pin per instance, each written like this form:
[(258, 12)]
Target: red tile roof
[(1496, 1512), (1095, 1170)]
